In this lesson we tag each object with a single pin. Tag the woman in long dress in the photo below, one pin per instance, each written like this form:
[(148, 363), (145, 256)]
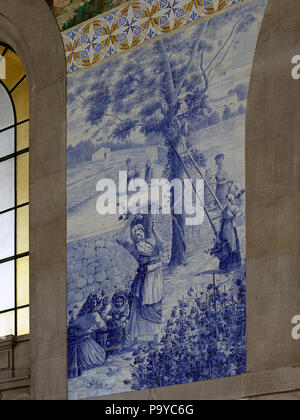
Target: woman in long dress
[(84, 352), (221, 178), (147, 293), (227, 248)]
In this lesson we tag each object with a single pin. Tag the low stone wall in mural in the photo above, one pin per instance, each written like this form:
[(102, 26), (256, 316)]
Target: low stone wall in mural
[(111, 268), (152, 301)]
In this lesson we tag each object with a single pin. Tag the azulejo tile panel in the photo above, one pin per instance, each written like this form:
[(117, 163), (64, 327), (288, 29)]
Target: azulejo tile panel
[(157, 299), (133, 25)]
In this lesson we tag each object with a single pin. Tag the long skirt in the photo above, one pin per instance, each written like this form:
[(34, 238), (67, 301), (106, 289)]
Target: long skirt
[(84, 354), (221, 192), (145, 321), (230, 255), (146, 306)]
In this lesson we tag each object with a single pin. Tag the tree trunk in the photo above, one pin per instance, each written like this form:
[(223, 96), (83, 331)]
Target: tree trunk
[(178, 220)]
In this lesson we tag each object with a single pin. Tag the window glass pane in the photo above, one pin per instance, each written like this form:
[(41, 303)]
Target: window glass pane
[(7, 235), (7, 324), (20, 98), (23, 230), (23, 136), (14, 190), (7, 286), (6, 110), (7, 142), (23, 321), (23, 179), (2, 68), (23, 281), (7, 184), (14, 69)]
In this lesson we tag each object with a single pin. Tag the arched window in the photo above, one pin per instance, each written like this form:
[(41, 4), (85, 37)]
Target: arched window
[(14, 196)]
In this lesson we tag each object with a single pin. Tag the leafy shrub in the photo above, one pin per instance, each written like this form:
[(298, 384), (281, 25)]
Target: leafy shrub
[(205, 338)]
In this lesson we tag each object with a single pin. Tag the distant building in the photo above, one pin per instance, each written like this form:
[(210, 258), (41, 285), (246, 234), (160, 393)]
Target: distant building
[(101, 154)]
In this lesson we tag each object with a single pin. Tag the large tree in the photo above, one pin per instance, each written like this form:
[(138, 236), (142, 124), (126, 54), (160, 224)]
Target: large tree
[(162, 90)]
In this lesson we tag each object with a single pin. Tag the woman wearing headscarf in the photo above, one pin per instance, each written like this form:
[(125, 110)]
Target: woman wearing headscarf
[(84, 352), (227, 248), (221, 179), (147, 293)]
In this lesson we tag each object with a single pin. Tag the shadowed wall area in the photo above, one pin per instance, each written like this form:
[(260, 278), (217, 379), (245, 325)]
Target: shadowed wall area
[(31, 30), (273, 219)]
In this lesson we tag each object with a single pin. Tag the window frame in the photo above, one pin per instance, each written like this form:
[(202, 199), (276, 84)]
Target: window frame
[(16, 257)]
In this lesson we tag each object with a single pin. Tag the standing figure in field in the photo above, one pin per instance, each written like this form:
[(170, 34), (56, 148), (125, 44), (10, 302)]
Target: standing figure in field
[(221, 179), (132, 171), (149, 174), (147, 293), (227, 247)]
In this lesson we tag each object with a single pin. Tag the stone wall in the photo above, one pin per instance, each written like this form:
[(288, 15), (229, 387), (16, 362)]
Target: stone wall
[(110, 266)]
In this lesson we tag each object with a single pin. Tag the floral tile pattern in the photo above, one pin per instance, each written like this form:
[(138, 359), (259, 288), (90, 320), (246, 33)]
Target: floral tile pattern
[(133, 25)]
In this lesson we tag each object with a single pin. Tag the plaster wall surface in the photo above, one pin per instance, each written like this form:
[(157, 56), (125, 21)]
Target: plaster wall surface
[(29, 27), (273, 181)]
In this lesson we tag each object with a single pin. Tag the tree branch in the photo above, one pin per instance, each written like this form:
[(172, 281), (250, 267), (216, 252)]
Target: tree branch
[(113, 116), (224, 44), (134, 78), (205, 77), (189, 65), (170, 89), (221, 61), (138, 124)]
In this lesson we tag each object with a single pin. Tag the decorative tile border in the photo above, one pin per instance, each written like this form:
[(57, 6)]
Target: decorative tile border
[(131, 25)]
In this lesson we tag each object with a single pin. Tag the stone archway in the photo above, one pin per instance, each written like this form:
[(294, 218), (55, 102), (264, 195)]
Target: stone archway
[(273, 201), (29, 27)]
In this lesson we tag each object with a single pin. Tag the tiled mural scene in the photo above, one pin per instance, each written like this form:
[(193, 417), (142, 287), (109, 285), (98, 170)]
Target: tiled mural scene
[(153, 302)]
